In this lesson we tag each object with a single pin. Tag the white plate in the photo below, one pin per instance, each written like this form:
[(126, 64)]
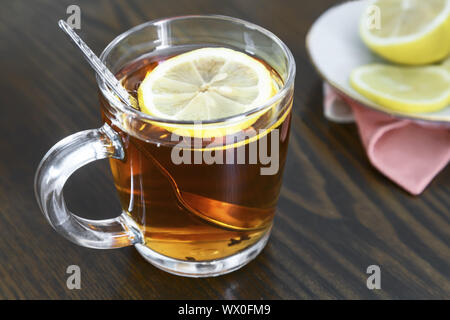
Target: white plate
[(335, 49)]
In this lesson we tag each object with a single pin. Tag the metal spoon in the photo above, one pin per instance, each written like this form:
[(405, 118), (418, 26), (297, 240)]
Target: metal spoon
[(99, 67)]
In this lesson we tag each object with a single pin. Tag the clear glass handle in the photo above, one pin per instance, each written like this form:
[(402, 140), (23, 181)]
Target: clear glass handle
[(58, 164)]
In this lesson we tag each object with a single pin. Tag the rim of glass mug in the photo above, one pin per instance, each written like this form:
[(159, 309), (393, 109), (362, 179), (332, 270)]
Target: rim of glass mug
[(122, 107)]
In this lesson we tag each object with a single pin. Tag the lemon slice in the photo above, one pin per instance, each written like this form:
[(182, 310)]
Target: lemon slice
[(203, 85), (409, 31), (406, 89)]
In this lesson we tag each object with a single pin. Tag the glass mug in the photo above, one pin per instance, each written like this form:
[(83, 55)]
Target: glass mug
[(194, 219)]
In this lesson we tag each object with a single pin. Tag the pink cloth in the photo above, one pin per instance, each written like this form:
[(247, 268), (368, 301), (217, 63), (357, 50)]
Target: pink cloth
[(410, 153)]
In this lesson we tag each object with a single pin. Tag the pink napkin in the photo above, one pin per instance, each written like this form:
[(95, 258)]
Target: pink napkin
[(410, 153)]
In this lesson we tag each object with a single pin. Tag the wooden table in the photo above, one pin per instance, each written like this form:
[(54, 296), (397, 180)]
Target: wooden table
[(337, 215)]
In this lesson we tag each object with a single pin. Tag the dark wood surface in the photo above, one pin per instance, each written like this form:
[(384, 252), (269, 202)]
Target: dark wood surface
[(337, 215)]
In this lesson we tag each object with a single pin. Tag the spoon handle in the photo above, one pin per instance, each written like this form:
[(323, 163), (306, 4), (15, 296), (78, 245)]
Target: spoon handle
[(98, 66)]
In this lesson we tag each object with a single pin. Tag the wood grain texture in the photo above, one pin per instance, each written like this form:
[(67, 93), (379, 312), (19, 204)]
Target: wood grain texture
[(337, 214)]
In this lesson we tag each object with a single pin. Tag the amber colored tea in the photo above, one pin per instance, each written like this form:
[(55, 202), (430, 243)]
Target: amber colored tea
[(194, 212)]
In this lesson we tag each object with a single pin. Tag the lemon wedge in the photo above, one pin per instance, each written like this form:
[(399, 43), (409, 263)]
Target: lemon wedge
[(405, 89), (203, 85), (409, 31)]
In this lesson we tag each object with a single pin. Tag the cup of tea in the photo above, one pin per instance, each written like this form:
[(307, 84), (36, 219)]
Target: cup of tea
[(198, 163)]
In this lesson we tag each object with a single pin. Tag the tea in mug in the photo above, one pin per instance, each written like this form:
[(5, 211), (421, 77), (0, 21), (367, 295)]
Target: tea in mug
[(205, 193)]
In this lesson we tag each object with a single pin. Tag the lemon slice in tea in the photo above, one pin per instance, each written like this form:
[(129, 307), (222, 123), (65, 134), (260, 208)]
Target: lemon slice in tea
[(203, 85)]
